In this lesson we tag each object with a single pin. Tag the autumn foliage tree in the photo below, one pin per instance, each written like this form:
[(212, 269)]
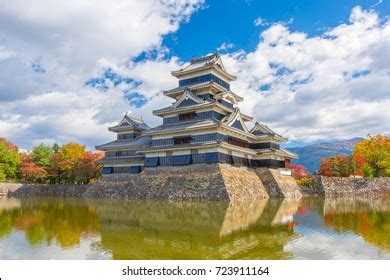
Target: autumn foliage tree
[(88, 169), (72, 163), (298, 171), (376, 153), (301, 175), (69, 163), (337, 166), (29, 171), (370, 158), (9, 160)]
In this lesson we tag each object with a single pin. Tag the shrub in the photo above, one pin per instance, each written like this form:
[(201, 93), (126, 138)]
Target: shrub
[(306, 182)]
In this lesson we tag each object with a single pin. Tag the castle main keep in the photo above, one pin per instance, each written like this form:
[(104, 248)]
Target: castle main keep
[(203, 125)]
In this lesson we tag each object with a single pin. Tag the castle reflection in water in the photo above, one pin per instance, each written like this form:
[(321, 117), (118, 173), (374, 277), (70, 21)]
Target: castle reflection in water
[(191, 230)]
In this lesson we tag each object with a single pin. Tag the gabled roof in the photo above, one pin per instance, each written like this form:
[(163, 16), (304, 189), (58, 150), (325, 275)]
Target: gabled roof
[(129, 122), (214, 87), (205, 62), (234, 117), (205, 105), (263, 130), (280, 152), (190, 125), (188, 95), (211, 59), (229, 95)]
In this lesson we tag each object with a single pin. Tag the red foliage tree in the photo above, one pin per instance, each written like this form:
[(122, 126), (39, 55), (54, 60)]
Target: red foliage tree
[(298, 171), (337, 166), (88, 168), (29, 171), (358, 163)]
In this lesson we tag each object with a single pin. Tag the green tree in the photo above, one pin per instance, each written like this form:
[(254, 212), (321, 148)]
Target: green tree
[(41, 155), (376, 152), (9, 160)]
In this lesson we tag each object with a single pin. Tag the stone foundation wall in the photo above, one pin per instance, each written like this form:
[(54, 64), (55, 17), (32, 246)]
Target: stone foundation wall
[(242, 183), (204, 182), (339, 186), (190, 182), (316, 190), (278, 185), (26, 190), (8, 187)]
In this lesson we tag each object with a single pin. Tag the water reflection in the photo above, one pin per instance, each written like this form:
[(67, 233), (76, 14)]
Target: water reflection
[(264, 229), (369, 218), (190, 230), (46, 220)]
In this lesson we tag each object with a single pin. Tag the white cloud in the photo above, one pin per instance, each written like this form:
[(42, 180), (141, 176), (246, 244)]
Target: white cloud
[(225, 46), (49, 49), (263, 22), (329, 86), (259, 21), (377, 3), (5, 53)]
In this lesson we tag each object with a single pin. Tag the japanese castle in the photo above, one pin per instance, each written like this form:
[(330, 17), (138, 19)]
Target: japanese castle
[(203, 125)]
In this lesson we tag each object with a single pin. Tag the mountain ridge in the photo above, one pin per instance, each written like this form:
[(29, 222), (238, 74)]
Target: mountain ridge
[(310, 155)]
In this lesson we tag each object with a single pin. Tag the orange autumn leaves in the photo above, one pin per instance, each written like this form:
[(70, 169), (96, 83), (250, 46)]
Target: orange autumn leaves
[(69, 163), (370, 158)]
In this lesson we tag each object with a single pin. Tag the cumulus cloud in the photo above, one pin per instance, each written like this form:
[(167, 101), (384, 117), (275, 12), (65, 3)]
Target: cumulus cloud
[(49, 49), (308, 88)]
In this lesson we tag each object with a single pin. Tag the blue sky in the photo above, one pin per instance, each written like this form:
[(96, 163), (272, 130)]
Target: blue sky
[(311, 70), (232, 21)]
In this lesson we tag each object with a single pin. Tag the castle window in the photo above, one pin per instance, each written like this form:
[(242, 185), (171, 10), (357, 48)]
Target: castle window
[(202, 79), (107, 170), (237, 142), (182, 140), (187, 116)]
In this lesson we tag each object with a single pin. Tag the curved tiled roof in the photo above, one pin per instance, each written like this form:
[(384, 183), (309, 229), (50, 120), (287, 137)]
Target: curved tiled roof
[(130, 122), (133, 143), (183, 126)]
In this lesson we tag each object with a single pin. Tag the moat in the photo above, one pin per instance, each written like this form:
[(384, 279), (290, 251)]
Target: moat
[(311, 228)]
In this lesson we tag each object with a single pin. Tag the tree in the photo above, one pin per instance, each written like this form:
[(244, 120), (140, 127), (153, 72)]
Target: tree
[(41, 154), (9, 160), (71, 157), (298, 171), (29, 171), (337, 166), (88, 169), (54, 169), (357, 165), (376, 153)]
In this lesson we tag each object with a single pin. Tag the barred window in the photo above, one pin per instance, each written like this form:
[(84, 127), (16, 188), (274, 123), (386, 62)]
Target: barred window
[(237, 142), (182, 140), (187, 116)]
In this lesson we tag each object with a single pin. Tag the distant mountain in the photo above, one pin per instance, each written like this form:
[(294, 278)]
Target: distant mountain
[(310, 156)]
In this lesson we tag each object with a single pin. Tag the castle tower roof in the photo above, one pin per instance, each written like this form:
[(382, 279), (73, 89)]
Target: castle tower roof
[(212, 61), (129, 122)]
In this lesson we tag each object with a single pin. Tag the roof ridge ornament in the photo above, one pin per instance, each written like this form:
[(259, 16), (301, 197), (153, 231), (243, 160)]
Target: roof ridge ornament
[(204, 58)]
